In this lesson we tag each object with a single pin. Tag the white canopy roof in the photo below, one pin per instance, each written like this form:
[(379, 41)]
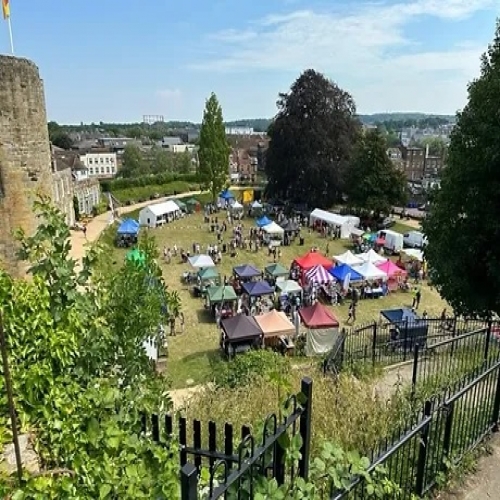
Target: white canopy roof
[(348, 258), (256, 204), (329, 217), (370, 272), (414, 253), (372, 256), (288, 286), (273, 228), (200, 261), (236, 205), (167, 207)]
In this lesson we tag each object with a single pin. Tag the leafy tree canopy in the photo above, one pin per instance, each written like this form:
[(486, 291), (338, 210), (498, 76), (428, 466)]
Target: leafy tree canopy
[(213, 153), (373, 182), (437, 146), (311, 141), (463, 226), (80, 374)]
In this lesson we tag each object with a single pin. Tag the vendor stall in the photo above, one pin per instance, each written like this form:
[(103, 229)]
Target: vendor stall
[(406, 328), (277, 330), (348, 258), (257, 288), (246, 272), (343, 271), (263, 221), (311, 259), (276, 271), (126, 234), (201, 261), (372, 256), (322, 329), (240, 334), (318, 274), (222, 297), (370, 272)]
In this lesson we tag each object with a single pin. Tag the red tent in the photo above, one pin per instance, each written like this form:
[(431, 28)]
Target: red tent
[(312, 259), (318, 316)]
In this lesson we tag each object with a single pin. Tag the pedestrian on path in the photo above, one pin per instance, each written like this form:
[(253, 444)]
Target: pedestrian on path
[(85, 231)]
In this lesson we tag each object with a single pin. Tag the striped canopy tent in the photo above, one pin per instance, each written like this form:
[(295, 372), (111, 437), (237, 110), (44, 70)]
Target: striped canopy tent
[(318, 274)]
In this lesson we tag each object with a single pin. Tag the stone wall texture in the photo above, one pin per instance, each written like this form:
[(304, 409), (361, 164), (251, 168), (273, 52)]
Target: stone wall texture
[(25, 161)]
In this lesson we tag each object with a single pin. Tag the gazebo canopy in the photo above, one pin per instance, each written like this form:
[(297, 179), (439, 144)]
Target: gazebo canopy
[(256, 204), (227, 195), (180, 204), (236, 206), (318, 316), (370, 272), (372, 256), (241, 327), (312, 259), (221, 293), (391, 269), (263, 221), (209, 273), (341, 271), (348, 258), (273, 228), (128, 227), (288, 286), (318, 274), (258, 288), (192, 202), (275, 323), (199, 261), (276, 270), (289, 226), (246, 271)]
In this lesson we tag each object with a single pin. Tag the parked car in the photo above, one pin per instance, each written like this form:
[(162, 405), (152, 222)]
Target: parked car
[(414, 239), (386, 223)]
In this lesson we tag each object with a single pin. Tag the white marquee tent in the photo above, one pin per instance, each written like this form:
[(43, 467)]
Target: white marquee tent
[(413, 253), (273, 229), (372, 256), (348, 258), (236, 206), (370, 272), (201, 261), (332, 219), (159, 214), (256, 204)]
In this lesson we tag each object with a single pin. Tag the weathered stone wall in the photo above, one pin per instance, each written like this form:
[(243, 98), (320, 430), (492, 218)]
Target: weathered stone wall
[(25, 161)]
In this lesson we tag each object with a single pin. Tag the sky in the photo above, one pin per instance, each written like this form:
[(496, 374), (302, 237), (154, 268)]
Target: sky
[(115, 61)]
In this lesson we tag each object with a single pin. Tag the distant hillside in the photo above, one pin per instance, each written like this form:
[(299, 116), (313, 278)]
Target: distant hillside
[(386, 117)]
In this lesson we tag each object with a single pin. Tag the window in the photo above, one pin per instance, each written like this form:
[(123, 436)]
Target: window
[(107, 160), (101, 160), (102, 170), (107, 170), (90, 161), (91, 171)]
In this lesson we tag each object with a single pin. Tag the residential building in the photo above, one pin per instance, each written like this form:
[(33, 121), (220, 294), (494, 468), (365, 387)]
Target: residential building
[(63, 189), (117, 144), (182, 148), (242, 167), (169, 142), (240, 131), (100, 162), (413, 159)]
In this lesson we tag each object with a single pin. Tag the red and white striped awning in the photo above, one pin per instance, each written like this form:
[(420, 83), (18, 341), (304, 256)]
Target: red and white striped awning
[(318, 274)]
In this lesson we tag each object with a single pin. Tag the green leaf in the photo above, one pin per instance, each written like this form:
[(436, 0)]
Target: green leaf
[(104, 490)]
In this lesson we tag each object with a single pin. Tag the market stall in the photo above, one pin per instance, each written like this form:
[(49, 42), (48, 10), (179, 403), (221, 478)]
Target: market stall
[(277, 330), (372, 256), (318, 274), (348, 258), (246, 272), (263, 221), (322, 329), (239, 334), (276, 271), (312, 259), (127, 232), (201, 261), (274, 234), (343, 272), (222, 297)]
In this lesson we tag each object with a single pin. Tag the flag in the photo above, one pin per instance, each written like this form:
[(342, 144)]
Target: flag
[(6, 9)]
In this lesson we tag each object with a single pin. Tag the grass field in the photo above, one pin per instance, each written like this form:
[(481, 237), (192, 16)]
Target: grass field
[(193, 353)]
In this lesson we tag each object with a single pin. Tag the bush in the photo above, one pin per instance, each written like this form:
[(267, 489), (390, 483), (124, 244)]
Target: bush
[(244, 369), (148, 180)]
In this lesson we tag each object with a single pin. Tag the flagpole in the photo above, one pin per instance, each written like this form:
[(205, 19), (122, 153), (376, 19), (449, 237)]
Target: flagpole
[(10, 35)]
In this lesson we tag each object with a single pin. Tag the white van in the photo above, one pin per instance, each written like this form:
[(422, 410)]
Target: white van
[(393, 241), (414, 239)]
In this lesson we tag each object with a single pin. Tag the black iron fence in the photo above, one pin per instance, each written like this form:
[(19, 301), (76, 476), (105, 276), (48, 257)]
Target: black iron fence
[(233, 468), (423, 450), (383, 343)]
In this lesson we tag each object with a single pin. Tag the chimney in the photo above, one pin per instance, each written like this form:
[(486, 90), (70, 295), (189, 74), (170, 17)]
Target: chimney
[(427, 150)]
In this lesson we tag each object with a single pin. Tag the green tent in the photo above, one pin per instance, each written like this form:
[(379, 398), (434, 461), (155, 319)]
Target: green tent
[(180, 204), (209, 273), (216, 294), (192, 202), (276, 270), (136, 255)]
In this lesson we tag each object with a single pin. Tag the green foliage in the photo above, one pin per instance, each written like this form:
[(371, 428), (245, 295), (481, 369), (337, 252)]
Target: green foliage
[(58, 137), (80, 377), (153, 191), (465, 212), (213, 153), (245, 368), (148, 180), (437, 146), (312, 138), (133, 162), (373, 182)]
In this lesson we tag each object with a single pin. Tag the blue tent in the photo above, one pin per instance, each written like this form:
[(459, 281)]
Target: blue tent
[(227, 195), (258, 288), (246, 271), (340, 272), (263, 221), (129, 226)]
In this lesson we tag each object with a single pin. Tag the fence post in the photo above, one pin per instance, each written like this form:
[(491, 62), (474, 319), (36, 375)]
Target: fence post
[(405, 345), (305, 427), (422, 452), (488, 341), (453, 335), (414, 374), (448, 428), (374, 343), (496, 405), (189, 482)]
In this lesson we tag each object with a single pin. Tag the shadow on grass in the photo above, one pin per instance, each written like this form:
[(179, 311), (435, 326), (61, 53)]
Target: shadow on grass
[(204, 316)]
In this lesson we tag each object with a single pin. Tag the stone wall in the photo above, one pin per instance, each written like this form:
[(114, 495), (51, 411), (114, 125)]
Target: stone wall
[(25, 161)]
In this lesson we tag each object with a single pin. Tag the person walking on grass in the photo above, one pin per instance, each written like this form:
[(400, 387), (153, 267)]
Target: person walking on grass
[(351, 318)]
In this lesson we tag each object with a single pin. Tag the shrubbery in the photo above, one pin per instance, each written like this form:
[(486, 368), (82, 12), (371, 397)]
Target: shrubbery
[(144, 193), (148, 180)]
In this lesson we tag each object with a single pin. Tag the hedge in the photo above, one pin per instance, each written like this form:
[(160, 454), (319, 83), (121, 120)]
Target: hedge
[(139, 194), (148, 180)]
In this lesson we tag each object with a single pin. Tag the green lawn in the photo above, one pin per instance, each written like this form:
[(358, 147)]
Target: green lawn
[(192, 353)]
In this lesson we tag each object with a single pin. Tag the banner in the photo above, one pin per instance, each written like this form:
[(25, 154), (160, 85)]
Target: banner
[(247, 196)]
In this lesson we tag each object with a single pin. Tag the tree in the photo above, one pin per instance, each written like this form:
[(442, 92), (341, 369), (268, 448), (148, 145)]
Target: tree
[(185, 163), (213, 153), (373, 182), (437, 146), (463, 227), (133, 162), (312, 138)]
